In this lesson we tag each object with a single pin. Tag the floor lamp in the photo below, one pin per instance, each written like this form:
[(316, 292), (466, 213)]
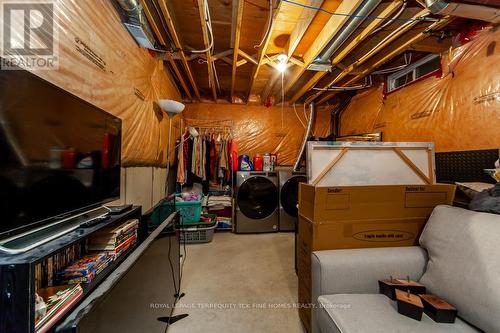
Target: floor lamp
[(172, 108)]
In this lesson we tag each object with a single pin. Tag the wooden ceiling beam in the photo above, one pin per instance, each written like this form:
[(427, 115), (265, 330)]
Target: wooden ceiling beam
[(236, 36), (402, 47), (158, 34), (263, 49), (305, 19), (392, 37), (432, 45), (303, 23), (331, 28), (177, 43), (208, 54), (248, 57), (179, 75), (345, 50)]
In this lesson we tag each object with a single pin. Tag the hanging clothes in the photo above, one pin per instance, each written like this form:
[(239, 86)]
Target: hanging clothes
[(208, 160), (223, 164), (234, 155), (203, 158), (213, 158), (181, 168), (189, 163)]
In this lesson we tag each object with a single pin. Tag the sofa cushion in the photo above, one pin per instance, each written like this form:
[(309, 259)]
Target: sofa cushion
[(464, 263), (371, 313)]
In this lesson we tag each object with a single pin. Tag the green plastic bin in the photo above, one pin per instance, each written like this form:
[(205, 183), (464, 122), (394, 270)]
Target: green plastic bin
[(189, 211)]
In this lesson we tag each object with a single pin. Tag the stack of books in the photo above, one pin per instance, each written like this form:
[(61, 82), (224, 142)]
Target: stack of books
[(114, 241), (58, 300), (85, 269), (46, 271)]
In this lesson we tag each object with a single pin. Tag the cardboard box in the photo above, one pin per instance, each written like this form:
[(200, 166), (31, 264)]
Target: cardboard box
[(321, 204), (359, 217), (359, 233)]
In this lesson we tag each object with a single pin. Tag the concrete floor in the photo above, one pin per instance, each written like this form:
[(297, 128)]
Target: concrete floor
[(240, 283)]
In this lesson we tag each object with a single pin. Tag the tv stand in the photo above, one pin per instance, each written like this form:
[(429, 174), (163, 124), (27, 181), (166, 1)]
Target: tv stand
[(29, 240), (19, 277)]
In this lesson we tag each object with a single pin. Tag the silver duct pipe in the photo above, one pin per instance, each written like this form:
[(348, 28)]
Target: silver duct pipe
[(312, 116), (136, 15), (476, 12), (349, 27)]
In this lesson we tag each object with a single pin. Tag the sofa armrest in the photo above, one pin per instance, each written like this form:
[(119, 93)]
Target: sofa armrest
[(357, 271)]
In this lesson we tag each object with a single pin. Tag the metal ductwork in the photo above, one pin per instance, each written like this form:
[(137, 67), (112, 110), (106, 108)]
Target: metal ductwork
[(476, 12), (136, 23), (310, 124), (323, 63)]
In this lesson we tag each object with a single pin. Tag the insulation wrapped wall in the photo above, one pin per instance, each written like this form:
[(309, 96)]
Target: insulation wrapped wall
[(101, 63), (459, 111), (259, 130)]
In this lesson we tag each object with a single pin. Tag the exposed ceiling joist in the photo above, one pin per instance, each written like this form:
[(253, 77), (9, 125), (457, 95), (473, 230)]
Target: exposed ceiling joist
[(179, 75), (218, 56), (402, 47), (206, 42), (306, 17), (303, 23), (236, 36), (241, 62), (248, 57), (432, 45), (374, 24), (392, 37), (158, 34), (331, 28), (177, 42), (263, 49)]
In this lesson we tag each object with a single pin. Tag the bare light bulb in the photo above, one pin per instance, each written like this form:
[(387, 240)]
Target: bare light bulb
[(282, 57), (281, 67)]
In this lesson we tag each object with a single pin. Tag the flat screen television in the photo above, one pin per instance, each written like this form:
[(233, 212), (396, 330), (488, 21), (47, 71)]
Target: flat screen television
[(58, 154)]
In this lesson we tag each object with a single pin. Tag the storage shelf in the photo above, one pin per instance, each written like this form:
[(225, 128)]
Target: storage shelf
[(89, 287), (17, 272)]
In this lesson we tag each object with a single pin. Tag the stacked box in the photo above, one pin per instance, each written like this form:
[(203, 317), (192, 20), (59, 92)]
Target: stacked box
[(349, 217)]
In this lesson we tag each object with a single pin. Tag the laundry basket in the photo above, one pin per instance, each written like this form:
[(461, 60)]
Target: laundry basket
[(199, 233), (189, 211)]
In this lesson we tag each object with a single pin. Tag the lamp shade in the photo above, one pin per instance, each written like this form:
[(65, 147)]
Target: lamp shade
[(171, 106)]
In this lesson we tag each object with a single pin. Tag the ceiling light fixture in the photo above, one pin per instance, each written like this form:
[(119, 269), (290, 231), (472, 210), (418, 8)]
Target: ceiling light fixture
[(282, 62), (281, 67)]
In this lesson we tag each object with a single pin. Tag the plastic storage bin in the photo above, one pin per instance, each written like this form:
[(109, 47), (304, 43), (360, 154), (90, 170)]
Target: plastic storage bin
[(200, 233), (189, 211)]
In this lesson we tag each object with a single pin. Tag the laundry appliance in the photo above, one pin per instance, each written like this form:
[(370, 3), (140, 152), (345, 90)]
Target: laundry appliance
[(256, 208), (288, 198)]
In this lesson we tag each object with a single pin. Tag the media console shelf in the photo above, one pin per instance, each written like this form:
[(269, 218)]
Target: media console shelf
[(17, 273)]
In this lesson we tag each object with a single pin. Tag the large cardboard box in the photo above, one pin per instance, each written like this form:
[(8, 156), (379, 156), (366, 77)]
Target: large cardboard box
[(344, 203), (359, 217)]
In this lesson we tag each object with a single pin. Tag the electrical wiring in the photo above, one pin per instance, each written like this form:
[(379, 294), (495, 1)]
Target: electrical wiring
[(178, 294), (394, 69), (269, 22), (391, 20), (282, 98), (368, 17), (368, 83), (208, 20), (297, 115)]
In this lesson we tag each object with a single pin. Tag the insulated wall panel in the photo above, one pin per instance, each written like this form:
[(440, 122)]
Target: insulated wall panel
[(101, 63), (258, 129), (459, 111)]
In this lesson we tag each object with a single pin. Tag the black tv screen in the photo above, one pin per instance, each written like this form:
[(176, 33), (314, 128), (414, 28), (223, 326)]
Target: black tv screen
[(58, 153)]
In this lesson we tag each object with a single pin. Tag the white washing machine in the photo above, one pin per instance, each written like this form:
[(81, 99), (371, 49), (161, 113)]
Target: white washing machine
[(256, 202), (289, 197)]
